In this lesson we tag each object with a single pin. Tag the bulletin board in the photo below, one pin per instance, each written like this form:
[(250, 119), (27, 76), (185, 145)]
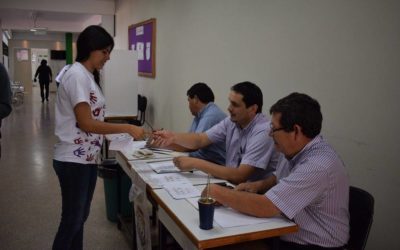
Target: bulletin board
[(142, 39)]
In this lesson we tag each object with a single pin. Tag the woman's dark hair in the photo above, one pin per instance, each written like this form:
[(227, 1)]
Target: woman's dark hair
[(251, 93), (299, 109), (92, 38), (202, 91), (43, 62)]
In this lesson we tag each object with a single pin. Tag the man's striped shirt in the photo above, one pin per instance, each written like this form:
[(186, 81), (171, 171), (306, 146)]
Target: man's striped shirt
[(313, 191)]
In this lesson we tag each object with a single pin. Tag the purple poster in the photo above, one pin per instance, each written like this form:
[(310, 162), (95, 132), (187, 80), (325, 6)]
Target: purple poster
[(141, 38)]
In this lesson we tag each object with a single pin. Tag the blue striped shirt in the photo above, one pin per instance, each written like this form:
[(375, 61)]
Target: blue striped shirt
[(313, 190), (250, 145), (210, 115)]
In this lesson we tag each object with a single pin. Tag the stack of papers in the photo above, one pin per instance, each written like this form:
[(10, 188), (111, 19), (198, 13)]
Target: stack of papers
[(121, 136), (166, 166), (120, 143), (124, 142)]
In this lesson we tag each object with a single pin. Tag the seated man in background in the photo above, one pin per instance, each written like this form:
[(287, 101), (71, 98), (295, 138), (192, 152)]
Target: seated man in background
[(250, 153), (206, 114), (310, 185)]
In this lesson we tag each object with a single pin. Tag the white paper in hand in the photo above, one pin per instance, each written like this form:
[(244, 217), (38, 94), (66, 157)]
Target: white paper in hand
[(121, 144)]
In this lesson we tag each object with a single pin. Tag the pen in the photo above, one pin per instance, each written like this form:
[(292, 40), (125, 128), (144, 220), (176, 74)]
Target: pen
[(160, 160), (162, 153), (151, 127)]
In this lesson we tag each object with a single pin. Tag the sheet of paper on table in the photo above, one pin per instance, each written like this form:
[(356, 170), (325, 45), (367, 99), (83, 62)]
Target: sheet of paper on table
[(163, 179), (182, 190), (227, 217)]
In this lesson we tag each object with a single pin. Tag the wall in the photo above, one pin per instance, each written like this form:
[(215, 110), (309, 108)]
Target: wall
[(23, 71), (343, 53)]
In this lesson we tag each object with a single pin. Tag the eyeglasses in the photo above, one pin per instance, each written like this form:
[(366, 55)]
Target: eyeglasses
[(273, 130)]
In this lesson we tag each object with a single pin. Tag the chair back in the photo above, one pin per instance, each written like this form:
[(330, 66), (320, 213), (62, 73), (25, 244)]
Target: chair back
[(141, 112), (361, 208), (142, 105), (139, 99)]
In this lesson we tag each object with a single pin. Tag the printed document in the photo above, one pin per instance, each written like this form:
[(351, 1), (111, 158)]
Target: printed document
[(164, 167), (182, 190), (163, 179)]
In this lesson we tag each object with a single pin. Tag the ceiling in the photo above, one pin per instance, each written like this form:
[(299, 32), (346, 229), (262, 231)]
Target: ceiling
[(23, 20), (52, 16)]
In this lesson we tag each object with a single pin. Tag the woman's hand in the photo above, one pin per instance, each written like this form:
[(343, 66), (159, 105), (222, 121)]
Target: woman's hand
[(136, 132)]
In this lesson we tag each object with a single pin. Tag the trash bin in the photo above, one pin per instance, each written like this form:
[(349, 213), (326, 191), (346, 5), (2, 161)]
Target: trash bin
[(116, 189)]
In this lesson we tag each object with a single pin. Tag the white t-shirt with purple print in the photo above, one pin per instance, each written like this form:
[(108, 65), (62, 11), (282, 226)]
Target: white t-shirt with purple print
[(74, 144)]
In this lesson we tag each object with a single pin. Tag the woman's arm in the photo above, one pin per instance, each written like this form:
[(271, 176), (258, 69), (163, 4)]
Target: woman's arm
[(88, 124)]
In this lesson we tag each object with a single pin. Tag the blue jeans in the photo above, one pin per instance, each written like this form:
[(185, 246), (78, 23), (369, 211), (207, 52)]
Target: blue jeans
[(77, 182)]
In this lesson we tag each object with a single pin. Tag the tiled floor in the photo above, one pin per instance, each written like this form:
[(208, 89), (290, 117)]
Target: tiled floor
[(30, 200)]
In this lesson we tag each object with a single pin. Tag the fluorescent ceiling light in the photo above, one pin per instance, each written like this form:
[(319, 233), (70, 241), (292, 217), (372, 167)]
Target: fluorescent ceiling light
[(38, 29)]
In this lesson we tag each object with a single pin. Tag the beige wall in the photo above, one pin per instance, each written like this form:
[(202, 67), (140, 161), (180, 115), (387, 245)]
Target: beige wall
[(344, 53), (21, 71)]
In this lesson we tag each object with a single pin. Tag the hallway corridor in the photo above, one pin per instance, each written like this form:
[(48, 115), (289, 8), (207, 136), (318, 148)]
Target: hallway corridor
[(30, 199)]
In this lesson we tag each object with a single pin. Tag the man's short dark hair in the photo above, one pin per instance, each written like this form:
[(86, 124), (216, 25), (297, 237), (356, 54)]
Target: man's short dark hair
[(251, 93), (299, 109), (202, 91)]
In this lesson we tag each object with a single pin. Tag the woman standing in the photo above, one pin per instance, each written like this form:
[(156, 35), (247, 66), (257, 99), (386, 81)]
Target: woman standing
[(45, 77), (80, 126)]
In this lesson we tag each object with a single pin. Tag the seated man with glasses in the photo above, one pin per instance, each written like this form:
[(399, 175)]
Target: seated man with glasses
[(250, 152), (310, 185)]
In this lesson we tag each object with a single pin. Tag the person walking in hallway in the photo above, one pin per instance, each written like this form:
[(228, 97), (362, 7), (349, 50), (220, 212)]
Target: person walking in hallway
[(80, 126), (45, 78)]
